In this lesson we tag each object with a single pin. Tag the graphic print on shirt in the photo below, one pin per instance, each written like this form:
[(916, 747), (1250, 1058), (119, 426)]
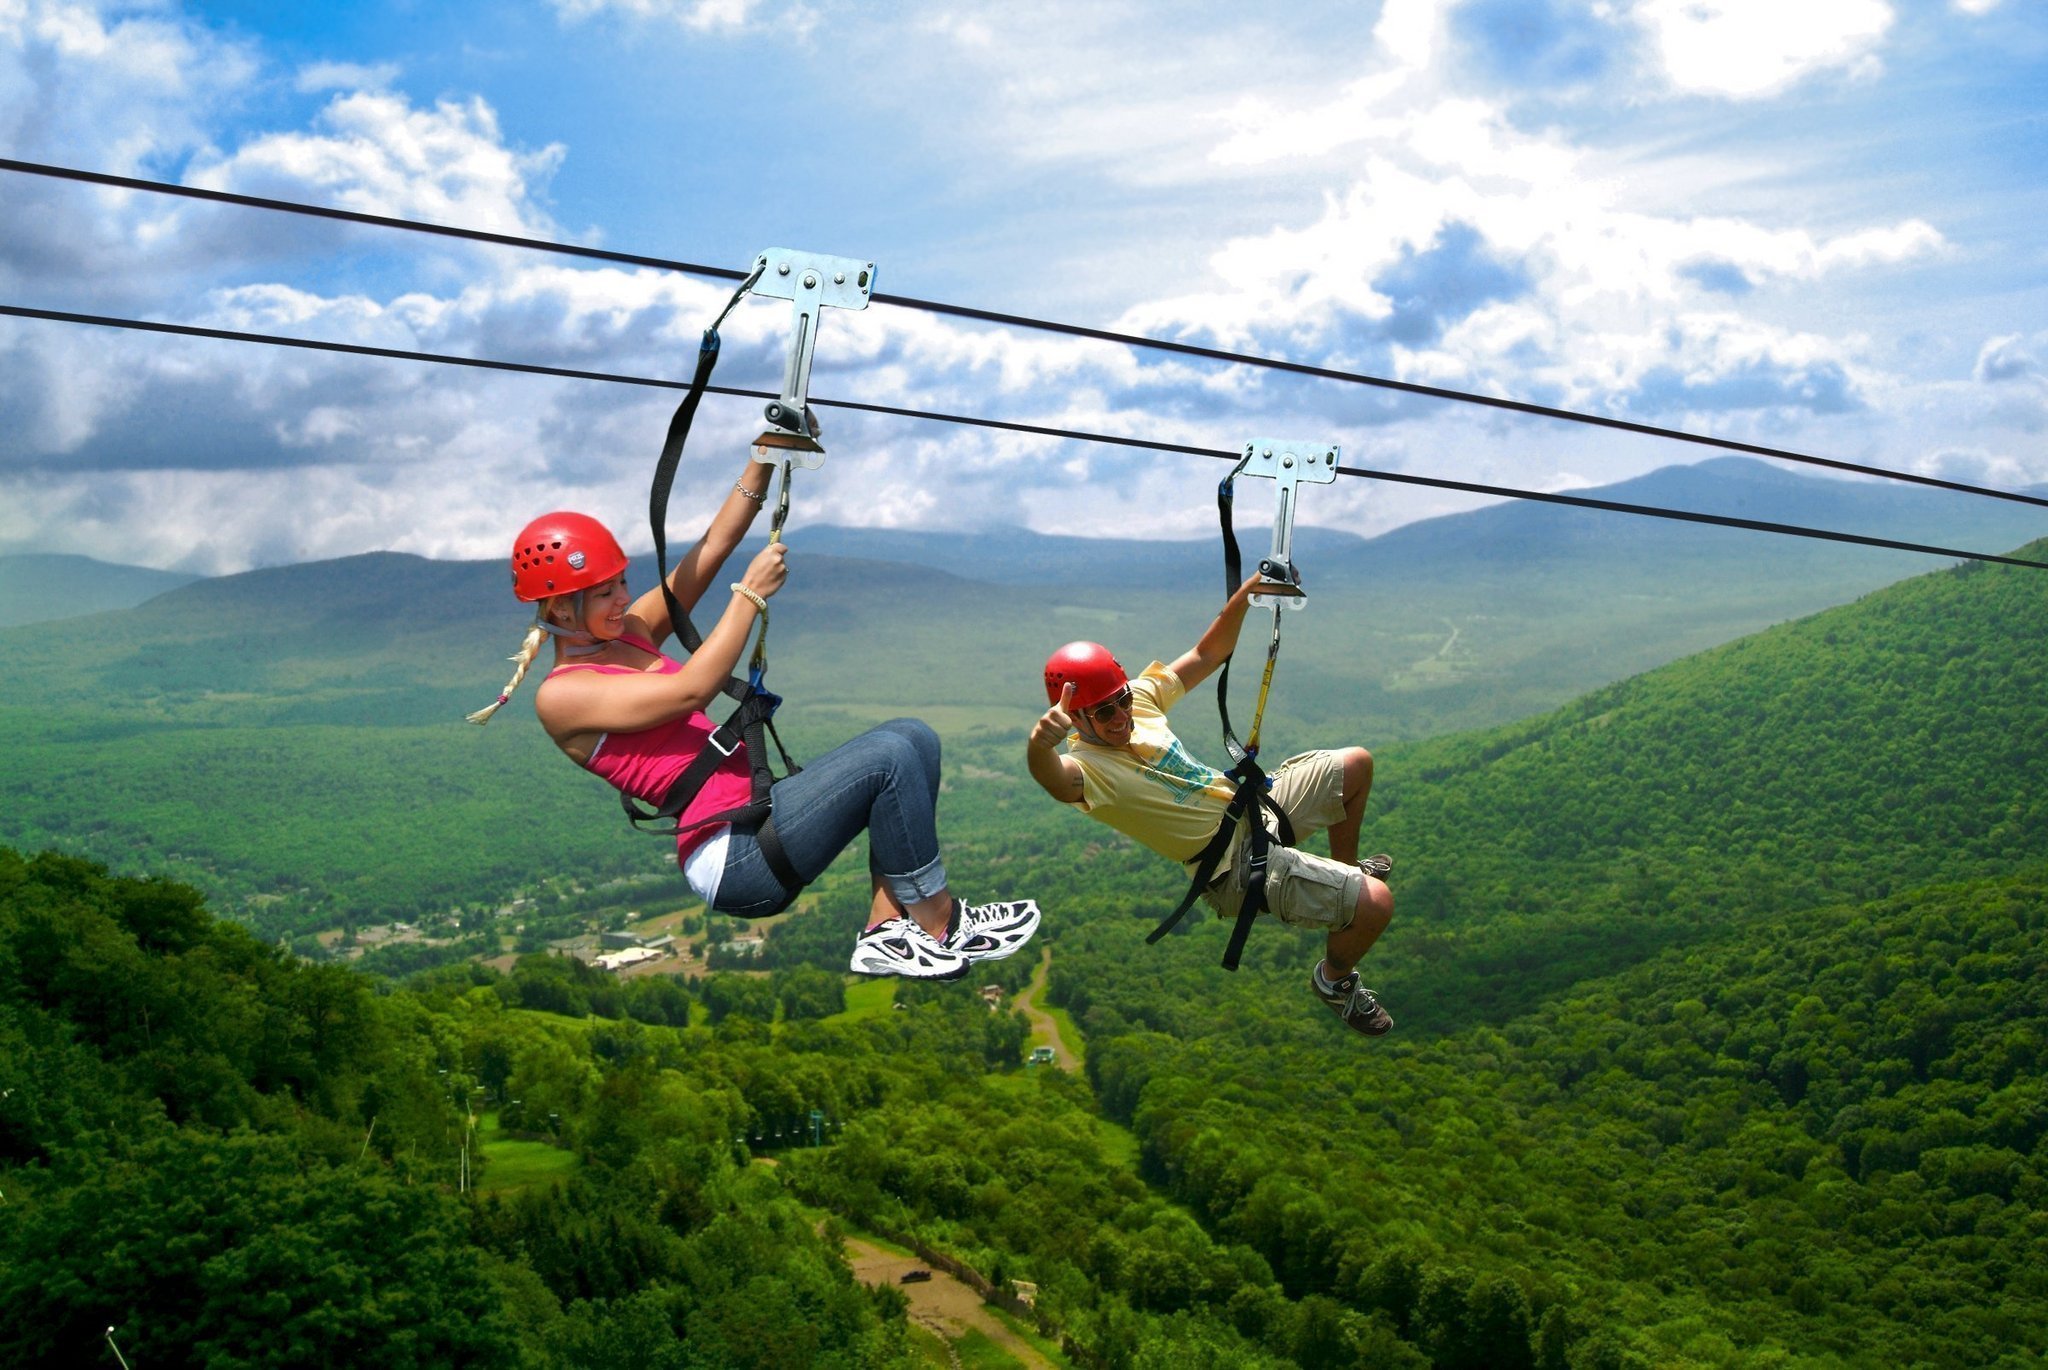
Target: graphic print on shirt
[(1180, 774)]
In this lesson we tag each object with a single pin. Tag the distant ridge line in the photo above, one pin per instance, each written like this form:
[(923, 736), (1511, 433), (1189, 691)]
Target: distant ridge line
[(1042, 430)]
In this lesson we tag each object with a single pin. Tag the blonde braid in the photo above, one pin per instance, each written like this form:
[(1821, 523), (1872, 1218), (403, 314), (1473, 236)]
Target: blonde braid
[(522, 660)]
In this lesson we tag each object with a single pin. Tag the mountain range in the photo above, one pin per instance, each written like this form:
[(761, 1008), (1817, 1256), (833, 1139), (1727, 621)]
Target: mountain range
[(39, 588), (1450, 623), (262, 733)]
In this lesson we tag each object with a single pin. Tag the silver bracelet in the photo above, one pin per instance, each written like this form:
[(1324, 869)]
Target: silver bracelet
[(750, 593), (745, 493)]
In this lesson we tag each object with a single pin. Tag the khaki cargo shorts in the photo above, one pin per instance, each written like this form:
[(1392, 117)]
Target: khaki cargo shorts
[(1306, 890)]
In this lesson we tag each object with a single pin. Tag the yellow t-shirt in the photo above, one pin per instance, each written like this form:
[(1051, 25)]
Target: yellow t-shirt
[(1153, 790)]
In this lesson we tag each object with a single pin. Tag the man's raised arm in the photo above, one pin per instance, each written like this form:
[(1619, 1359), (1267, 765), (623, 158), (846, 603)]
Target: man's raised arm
[(1218, 641)]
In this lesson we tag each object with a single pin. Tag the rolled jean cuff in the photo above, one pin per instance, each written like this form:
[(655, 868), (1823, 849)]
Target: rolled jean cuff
[(922, 883)]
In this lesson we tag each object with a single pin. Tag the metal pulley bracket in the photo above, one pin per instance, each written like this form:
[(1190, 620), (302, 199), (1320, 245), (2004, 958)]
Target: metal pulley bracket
[(1287, 463), (811, 282)]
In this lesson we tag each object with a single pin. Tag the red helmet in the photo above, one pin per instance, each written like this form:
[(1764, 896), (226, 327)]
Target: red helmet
[(560, 553), (1088, 666)]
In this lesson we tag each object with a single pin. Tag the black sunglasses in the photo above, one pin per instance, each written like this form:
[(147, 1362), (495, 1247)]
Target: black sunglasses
[(1110, 708)]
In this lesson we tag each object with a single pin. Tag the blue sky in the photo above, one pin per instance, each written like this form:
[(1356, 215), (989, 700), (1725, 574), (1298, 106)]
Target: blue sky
[(1816, 225)]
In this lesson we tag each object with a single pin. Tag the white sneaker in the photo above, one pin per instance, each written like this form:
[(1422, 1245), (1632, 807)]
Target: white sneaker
[(989, 932), (899, 946)]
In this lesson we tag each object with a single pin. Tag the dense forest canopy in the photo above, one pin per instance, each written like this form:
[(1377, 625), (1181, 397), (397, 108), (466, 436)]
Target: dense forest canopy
[(1722, 1014)]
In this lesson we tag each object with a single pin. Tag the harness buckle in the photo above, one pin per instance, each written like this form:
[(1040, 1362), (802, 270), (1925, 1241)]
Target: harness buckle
[(722, 731)]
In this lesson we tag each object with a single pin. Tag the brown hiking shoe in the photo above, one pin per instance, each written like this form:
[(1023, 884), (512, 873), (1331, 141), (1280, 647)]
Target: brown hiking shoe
[(1358, 1006)]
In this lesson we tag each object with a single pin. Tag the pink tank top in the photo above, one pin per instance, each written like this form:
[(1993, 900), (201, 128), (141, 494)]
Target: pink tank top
[(645, 763)]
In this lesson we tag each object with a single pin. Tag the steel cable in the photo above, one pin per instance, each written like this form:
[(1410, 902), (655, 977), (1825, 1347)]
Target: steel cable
[(1023, 321), (1002, 425)]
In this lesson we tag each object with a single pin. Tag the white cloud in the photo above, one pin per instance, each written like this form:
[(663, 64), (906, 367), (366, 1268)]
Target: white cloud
[(1976, 466), (2011, 386), (1409, 31), (1747, 49), (2008, 358), (374, 152), (129, 91), (320, 76), (1258, 134), (1089, 87), (701, 16), (961, 29), (1594, 296)]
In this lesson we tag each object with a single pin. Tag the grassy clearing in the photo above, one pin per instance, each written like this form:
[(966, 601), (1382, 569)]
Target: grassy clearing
[(555, 1022), (867, 997), (513, 1164), (928, 1346), (1025, 1332), (977, 1352), (1119, 1147)]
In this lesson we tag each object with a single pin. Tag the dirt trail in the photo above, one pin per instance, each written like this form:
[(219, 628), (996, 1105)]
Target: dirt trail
[(1044, 1031), (942, 1303)]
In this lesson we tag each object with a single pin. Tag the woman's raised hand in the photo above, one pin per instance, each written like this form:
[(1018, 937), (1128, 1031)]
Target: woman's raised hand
[(766, 573)]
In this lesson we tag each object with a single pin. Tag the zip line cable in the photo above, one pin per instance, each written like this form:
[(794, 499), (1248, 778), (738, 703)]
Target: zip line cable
[(1019, 321), (1004, 425), (354, 216)]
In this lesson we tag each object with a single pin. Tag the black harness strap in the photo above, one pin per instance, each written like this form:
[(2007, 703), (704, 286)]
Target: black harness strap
[(1249, 797), (1233, 572), (752, 723)]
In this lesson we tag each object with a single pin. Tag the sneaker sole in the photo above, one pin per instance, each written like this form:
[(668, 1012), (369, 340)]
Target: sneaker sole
[(1358, 1026), (872, 960)]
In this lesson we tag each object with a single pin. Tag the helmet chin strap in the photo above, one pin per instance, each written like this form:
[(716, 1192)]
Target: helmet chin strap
[(575, 641)]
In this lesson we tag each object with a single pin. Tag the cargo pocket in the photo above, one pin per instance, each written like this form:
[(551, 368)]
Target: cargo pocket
[(1308, 891)]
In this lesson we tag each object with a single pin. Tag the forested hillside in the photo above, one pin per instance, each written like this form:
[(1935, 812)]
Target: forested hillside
[(1819, 1136), (1643, 1046), (41, 587), (231, 1158), (1878, 746), (1721, 1013)]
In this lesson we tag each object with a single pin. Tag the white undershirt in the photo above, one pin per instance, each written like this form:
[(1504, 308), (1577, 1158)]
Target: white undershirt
[(705, 867)]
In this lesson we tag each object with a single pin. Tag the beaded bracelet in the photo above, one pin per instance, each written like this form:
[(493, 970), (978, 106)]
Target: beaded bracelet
[(749, 592), (745, 493)]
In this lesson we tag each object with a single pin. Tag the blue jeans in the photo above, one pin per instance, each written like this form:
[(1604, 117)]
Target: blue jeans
[(885, 781)]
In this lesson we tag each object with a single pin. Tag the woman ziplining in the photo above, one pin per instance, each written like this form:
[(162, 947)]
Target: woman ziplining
[(747, 841), (622, 709)]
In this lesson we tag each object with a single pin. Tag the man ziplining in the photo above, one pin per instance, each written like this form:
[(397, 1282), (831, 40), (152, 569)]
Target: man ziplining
[(1123, 766)]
